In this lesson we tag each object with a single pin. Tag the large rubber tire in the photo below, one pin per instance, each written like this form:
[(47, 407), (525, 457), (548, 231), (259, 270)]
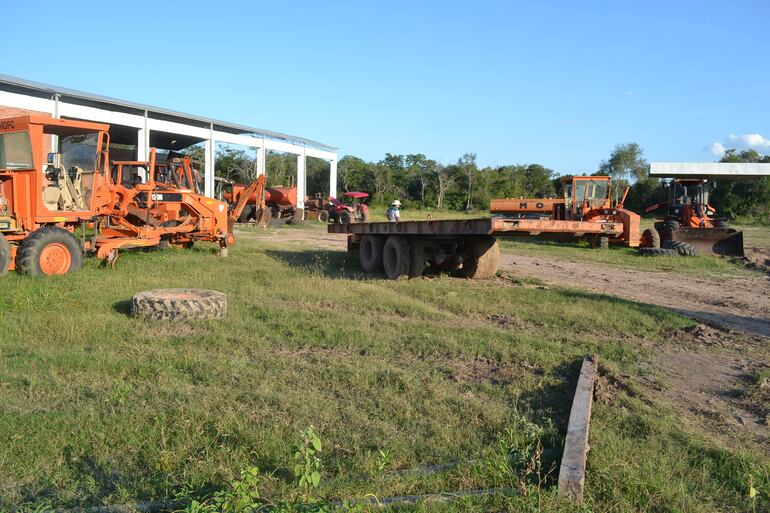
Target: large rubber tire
[(179, 304), (49, 250), (345, 217), (276, 212), (650, 238), (484, 260), (600, 242), (364, 215), (721, 223), (396, 259), (246, 214), (5, 255), (669, 230), (658, 252), (682, 248), (323, 216), (417, 256), (370, 253)]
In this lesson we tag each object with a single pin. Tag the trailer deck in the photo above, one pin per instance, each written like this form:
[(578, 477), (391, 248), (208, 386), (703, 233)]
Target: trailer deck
[(494, 226), (467, 247)]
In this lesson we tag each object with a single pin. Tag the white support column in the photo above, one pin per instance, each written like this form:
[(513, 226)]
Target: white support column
[(143, 141), (210, 157), (301, 180), (261, 159), (333, 178), (55, 114)]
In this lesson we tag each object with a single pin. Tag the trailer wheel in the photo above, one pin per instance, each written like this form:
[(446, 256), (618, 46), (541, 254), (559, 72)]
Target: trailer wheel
[(370, 253), (323, 216), (395, 257), (650, 238), (417, 258), (179, 304), (49, 250), (5, 254), (484, 258), (682, 248)]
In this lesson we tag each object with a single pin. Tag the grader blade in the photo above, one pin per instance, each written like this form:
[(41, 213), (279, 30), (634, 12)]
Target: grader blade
[(713, 241)]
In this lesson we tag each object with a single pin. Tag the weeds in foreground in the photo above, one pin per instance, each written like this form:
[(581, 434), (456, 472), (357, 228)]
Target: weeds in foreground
[(515, 463)]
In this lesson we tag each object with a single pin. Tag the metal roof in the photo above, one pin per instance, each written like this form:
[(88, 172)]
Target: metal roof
[(82, 95), (708, 169)]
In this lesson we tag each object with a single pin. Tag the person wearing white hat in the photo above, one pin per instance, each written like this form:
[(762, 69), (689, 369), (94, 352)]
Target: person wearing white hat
[(394, 212)]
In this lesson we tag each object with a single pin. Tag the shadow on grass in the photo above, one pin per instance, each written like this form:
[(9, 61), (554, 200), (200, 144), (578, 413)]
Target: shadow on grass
[(331, 264), (123, 307), (746, 324)]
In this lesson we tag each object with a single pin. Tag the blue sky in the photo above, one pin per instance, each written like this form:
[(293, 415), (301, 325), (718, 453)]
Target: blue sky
[(557, 83)]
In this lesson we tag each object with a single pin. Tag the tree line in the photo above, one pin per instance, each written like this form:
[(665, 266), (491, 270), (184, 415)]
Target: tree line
[(421, 182)]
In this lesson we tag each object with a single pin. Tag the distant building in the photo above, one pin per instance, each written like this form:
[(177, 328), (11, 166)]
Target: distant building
[(135, 128)]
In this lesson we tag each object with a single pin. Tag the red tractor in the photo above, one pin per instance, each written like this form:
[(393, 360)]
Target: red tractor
[(336, 211)]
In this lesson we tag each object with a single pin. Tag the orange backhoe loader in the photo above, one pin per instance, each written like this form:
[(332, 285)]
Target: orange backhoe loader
[(45, 202), (690, 220)]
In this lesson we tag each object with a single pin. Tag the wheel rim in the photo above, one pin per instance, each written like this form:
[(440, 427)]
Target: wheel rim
[(55, 259)]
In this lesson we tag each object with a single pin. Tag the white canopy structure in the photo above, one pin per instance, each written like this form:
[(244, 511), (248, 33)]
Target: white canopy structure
[(707, 170), (145, 126)]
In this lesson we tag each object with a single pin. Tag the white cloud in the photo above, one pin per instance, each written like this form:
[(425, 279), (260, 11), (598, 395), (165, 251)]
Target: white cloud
[(717, 149), (740, 142), (749, 141)]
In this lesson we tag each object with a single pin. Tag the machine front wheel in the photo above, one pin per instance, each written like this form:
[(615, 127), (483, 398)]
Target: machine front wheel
[(49, 250)]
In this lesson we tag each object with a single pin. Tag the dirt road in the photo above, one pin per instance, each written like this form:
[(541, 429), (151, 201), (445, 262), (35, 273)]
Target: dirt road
[(740, 303)]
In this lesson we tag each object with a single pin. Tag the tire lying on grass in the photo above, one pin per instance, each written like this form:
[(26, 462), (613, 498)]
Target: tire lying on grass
[(658, 252), (179, 304), (682, 248)]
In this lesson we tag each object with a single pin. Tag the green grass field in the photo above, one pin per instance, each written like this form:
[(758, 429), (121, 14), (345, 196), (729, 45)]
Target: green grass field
[(100, 408)]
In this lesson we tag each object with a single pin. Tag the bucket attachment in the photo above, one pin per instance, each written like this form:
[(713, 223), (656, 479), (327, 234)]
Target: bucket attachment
[(715, 241)]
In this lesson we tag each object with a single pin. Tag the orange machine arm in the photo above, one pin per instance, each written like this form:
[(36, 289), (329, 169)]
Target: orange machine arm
[(656, 206), (258, 187), (623, 199)]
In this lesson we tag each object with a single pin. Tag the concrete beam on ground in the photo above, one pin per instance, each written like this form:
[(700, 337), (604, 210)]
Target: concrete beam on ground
[(572, 472)]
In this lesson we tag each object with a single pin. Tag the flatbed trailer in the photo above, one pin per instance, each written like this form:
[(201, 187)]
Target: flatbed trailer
[(466, 246)]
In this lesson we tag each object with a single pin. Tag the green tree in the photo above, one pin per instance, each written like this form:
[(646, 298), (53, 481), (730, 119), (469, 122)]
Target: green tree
[(625, 165), (743, 198)]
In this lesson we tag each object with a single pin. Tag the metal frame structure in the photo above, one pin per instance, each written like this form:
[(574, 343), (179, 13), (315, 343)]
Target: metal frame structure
[(708, 170), (154, 125)]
